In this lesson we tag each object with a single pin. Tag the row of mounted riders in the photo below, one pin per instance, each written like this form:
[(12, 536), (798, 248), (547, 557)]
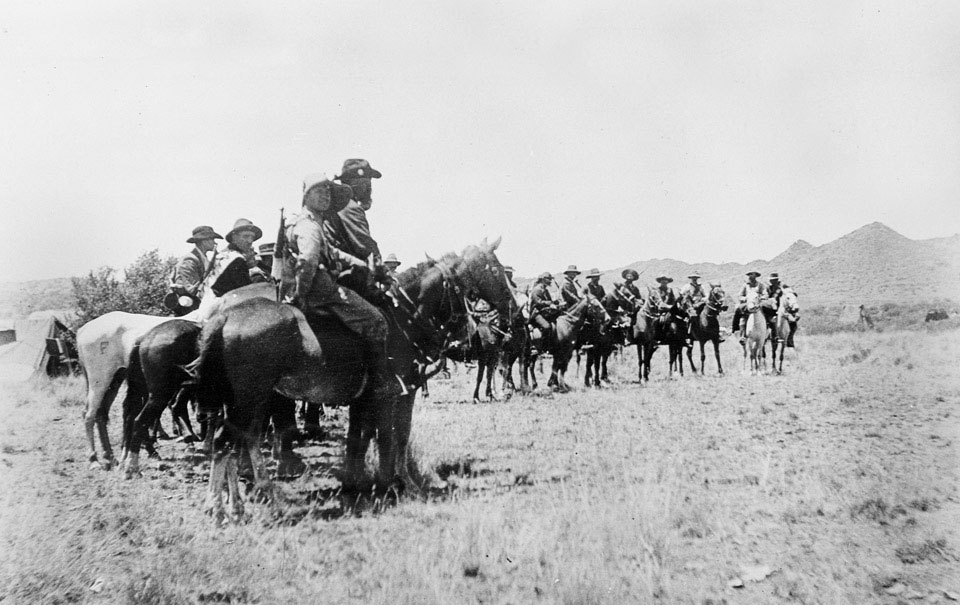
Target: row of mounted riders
[(258, 356), (597, 328)]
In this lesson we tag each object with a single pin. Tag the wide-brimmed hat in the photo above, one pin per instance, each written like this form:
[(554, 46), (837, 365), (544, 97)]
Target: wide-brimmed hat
[(507, 269), (243, 224), (774, 277), (203, 232), (267, 249), (594, 272), (572, 269), (754, 273), (340, 194), (694, 275), (391, 260), (630, 274), (664, 278), (358, 169), (545, 275)]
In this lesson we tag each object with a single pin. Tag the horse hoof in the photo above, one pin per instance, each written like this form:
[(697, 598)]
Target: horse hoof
[(107, 464), (476, 400)]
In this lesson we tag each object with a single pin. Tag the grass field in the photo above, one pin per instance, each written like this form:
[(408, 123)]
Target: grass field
[(834, 483)]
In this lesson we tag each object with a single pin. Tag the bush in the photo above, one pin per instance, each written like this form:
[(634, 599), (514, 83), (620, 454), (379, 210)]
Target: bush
[(141, 291)]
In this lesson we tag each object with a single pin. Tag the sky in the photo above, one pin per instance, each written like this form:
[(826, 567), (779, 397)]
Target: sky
[(593, 133)]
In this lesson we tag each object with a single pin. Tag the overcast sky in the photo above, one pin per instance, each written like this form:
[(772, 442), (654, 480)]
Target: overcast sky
[(590, 133)]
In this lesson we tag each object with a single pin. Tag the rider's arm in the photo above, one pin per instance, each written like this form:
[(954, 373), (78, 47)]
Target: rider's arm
[(310, 243)]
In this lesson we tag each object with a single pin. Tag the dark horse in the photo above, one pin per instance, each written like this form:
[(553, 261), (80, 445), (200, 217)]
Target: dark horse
[(705, 326), (569, 326), (516, 349), (260, 346), (651, 330), (157, 376), (486, 342), (599, 338)]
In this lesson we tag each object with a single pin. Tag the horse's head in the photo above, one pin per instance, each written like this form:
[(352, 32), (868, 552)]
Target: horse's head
[(788, 301), (481, 273), (753, 301)]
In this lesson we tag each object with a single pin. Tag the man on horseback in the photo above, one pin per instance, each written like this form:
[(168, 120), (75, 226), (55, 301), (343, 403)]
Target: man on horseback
[(319, 263), (187, 280), (774, 292), (692, 299), (663, 299), (508, 272), (751, 285), (543, 309), (349, 231), (593, 284), (570, 290)]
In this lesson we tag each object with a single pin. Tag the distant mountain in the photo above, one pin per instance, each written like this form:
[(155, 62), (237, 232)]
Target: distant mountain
[(871, 265)]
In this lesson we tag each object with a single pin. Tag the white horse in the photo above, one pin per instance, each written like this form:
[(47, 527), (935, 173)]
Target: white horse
[(786, 324), (756, 334), (104, 345)]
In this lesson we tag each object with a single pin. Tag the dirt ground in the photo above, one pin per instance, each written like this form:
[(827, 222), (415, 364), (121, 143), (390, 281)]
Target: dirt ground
[(836, 482)]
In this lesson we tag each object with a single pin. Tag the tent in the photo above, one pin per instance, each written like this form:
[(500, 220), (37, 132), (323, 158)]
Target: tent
[(41, 347)]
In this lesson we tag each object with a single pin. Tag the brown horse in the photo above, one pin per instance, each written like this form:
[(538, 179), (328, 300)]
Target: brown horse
[(260, 346), (705, 326), (569, 326), (653, 329)]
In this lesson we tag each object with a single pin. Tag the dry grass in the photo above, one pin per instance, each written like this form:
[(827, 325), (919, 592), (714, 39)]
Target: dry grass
[(839, 476)]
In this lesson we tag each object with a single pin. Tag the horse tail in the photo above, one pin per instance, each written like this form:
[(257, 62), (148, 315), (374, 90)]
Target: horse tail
[(209, 369), (136, 395)]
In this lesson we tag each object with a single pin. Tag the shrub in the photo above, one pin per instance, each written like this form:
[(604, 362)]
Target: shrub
[(141, 291)]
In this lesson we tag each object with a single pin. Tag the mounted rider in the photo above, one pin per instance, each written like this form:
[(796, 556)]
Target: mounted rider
[(544, 310), (692, 295), (317, 263), (348, 229), (570, 289), (508, 273), (774, 292), (628, 295), (186, 283), (692, 300), (751, 285)]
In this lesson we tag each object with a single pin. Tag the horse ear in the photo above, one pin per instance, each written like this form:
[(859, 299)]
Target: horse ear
[(428, 258), (484, 242), (495, 244)]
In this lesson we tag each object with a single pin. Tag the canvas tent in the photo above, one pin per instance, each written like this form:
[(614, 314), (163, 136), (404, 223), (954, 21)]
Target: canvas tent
[(30, 354)]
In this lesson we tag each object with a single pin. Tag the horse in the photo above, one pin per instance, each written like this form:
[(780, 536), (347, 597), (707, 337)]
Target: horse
[(786, 323), (650, 330), (516, 348), (599, 338), (486, 343), (705, 326), (756, 333), (157, 375), (569, 325), (260, 346), (104, 345)]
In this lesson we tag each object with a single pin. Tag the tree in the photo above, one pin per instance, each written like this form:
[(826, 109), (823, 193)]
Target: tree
[(141, 291)]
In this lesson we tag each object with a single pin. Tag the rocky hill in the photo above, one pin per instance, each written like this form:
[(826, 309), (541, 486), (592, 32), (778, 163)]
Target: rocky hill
[(871, 265)]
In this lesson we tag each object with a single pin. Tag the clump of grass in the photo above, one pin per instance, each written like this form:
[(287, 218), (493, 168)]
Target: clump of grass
[(877, 509), (924, 504), (932, 551)]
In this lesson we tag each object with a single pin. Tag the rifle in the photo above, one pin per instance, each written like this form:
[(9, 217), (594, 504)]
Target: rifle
[(279, 250)]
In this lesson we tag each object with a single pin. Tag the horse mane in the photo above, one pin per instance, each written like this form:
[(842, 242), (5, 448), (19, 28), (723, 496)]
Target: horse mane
[(415, 273)]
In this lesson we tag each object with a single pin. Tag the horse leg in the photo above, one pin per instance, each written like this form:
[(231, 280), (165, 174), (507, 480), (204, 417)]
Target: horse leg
[(402, 423), (491, 374), (99, 398), (587, 374), (716, 352), (386, 476), (476, 388), (689, 350), (356, 448)]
